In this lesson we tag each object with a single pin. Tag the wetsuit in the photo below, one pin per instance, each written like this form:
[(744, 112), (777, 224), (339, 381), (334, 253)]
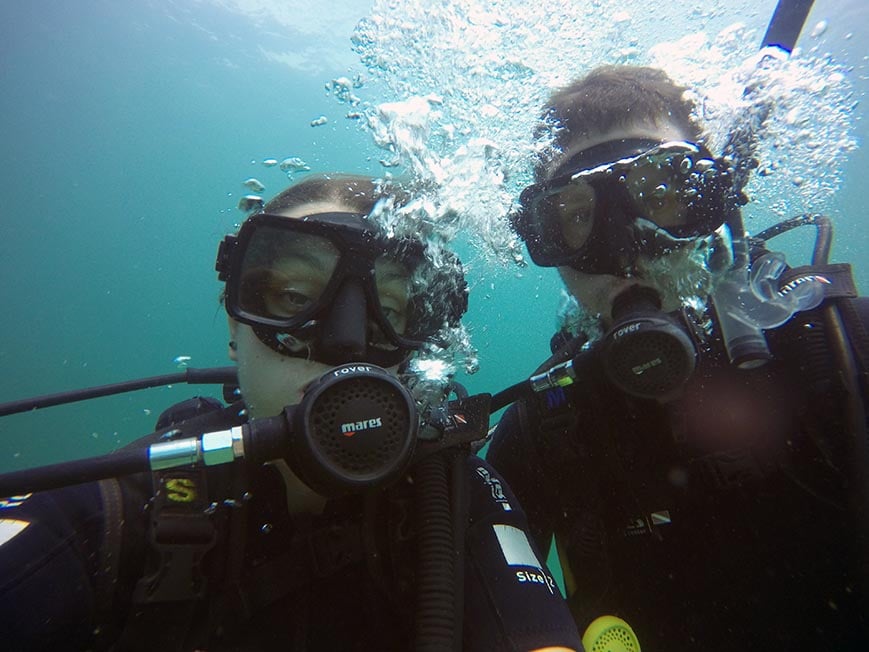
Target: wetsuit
[(233, 570), (720, 520)]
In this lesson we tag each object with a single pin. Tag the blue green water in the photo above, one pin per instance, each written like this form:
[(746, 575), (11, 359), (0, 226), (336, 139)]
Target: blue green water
[(126, 130)]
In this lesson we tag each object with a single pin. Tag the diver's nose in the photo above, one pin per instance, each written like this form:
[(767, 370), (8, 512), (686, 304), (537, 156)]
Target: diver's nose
[(345, 327)]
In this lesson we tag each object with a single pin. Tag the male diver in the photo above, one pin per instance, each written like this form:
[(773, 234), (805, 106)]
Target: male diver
[(701, 463)]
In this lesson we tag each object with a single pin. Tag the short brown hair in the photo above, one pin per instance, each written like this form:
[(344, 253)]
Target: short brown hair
[(357, 192), (610, 97)]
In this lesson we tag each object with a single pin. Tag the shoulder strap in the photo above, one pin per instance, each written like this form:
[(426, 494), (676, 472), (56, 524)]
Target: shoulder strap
[(855, 314), (553, 416), (553, 411), (109, 560), (186, 521), (847, 323), (838, 279)]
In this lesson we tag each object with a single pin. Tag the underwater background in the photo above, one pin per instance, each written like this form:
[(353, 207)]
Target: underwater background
[(128, 128)]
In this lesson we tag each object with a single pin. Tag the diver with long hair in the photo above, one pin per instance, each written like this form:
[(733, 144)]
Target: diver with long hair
[(316, 511)]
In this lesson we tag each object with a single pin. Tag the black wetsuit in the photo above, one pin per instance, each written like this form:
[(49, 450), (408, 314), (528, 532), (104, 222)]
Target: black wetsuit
[(721, 520), (72, 579)]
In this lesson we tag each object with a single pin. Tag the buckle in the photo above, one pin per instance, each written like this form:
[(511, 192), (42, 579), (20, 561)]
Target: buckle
[(181, 532)]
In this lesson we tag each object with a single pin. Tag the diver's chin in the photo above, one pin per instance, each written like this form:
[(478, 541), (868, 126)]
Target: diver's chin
[(617, 289)]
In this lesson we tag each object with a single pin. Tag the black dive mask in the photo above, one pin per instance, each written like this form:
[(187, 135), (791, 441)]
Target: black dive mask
[(614, 201), (332, 288)]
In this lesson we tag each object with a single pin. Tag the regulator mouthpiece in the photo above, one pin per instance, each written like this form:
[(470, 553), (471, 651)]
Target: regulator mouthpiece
[(355, 428), (646, 353)]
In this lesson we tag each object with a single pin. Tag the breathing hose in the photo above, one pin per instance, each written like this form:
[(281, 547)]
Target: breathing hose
[(823, 242), (437, 626)]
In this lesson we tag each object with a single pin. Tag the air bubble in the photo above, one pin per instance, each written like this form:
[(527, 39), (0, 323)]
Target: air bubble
[(254, 184), (819, 29), (250, 202), (181, 361), (293, 164)]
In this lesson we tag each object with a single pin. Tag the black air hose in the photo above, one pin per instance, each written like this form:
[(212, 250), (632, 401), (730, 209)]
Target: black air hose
[(436, 611)]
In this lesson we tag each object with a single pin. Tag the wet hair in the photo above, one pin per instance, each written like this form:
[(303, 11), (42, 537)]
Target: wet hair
[(612, 97), (356, 192)]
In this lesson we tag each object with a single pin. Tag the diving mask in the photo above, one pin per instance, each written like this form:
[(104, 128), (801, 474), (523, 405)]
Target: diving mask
[(611, 202), (304, 284)]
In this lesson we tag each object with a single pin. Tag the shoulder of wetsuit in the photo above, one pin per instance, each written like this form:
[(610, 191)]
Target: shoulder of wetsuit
[(192, 407), (191, 417), (564, 347)]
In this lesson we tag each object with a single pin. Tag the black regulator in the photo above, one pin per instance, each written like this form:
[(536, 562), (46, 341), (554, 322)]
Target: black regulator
[(647, 352), (355, 428)]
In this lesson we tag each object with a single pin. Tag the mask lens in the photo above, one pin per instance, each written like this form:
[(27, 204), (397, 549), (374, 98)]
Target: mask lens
[(285, 273), (569, 212), (392, 280), (668, 185)]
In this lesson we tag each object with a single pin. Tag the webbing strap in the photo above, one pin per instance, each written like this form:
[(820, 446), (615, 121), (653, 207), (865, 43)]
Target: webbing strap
[(109, 559), (855, 314), (181, 531), (838, 279)]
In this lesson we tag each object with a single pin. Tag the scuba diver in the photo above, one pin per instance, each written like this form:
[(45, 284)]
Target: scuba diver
[(701, 458), (315, 512)]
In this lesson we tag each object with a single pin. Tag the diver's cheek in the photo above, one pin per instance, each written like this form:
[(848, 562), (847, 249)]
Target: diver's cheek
[(595, 292), (269, 381)]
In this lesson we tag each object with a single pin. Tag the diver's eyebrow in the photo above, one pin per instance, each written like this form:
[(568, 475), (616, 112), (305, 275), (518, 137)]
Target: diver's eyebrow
[(392, 276), (391, 271), (308, 254)]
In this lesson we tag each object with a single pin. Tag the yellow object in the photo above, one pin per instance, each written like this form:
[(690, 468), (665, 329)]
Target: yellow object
[(181, 490), (610, 634)]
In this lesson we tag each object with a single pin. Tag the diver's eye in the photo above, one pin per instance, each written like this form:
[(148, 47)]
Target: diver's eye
[(393, 298), (393, 291), (286, 302), (656, 189), (569, 211), (281, 294), (396, 317)]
